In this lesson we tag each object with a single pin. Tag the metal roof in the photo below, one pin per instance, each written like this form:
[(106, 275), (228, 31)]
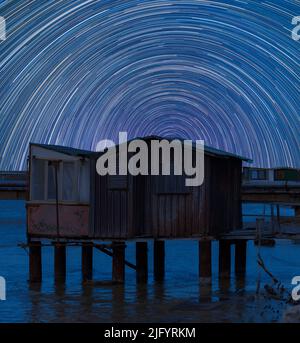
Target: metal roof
[(66, 150), (78, 152)]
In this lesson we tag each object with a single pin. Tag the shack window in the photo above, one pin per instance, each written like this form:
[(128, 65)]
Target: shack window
[(69, 184), (38, 179), (287, 175), (258, 174), (51, 182), (43, 180)]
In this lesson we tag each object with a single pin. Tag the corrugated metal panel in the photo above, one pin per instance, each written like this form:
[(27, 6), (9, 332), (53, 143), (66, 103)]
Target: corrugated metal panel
[(159, 206), (111, 210)]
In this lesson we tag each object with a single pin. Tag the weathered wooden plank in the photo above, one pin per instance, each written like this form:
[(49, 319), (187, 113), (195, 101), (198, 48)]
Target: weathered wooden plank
[(118, 267), (240, 257), (60, 262), (224, 257), (87, 261), (159, 260), (141, 262), (205, 267), (35, 262)]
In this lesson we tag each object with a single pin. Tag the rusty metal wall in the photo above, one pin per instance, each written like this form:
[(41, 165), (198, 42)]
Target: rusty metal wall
[(73, 220)]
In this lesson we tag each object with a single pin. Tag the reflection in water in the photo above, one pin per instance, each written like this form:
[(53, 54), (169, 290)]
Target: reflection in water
[(118, 302), (142, 302), (205, 290), (35, 300), (224, 287), (240, 283)]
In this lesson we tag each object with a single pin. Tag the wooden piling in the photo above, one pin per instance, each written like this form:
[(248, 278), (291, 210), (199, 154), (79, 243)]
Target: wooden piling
[(159, 260), (118, 266), (87, 261), (297, 211), (60, 262), (240, 257), (224, 258), (205, 259), (141, 262), (35, 262)]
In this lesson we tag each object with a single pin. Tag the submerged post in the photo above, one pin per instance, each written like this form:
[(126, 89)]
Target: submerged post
[(240, 257), (205, 259), (159, 260), (118, 267), (224, 258), (141, 262), (35, 262), (87, 261), (60, 262)]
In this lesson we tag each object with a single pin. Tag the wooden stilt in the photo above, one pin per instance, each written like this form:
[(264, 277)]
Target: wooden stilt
[(272, 218), (60, 262), (87, 261), (118, 269), (205, 259), (240, 257), (224, 258), (159, 260), (141, 262), (35, 262)]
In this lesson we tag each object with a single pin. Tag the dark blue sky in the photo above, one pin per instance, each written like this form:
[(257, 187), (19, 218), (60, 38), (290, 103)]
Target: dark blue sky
[(76, 72)]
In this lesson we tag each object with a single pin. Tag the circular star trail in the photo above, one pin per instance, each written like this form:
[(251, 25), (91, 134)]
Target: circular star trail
[(76, 72)]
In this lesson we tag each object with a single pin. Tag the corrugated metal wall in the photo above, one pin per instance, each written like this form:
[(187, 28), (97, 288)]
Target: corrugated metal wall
[(161, 206), (111, 209)]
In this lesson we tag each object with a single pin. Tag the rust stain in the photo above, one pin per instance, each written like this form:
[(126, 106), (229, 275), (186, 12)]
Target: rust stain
[(74, 220)]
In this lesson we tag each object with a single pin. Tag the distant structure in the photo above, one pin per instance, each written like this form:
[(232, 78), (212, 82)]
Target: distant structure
[(70, 203), (272, 185), (13, 185), (271, 176)]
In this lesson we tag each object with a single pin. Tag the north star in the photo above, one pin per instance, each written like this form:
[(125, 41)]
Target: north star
[(115, 333)]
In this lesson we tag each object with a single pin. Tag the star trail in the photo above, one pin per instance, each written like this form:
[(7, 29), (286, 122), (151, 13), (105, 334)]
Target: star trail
[(76, 72)]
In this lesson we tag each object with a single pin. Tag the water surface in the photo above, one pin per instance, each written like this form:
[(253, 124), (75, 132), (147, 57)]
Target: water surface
[(181, 298)]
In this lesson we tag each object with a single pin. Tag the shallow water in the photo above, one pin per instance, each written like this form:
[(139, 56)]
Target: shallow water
[(181, 298)]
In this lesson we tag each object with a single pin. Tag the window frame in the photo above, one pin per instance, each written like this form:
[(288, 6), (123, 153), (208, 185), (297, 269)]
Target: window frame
[(76, 182)]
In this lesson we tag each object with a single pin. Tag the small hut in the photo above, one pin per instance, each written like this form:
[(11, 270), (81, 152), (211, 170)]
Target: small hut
[(69, 199)]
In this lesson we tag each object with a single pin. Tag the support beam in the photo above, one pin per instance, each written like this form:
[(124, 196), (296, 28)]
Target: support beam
[(60, 262), (224, 258), (35, 262), (240, 257), (87, 261), (141, 262), (159, 260), (205, 259), (297, 211), (108, 253), (118, 268)]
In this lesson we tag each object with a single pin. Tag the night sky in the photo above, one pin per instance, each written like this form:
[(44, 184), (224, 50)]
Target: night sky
[(75, 72)]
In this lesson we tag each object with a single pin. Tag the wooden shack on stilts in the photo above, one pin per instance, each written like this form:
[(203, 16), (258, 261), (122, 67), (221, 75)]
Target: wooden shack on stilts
[(71, 204)]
